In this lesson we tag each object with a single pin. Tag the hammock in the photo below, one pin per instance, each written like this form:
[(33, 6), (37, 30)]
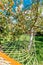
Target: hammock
[(5, 60)]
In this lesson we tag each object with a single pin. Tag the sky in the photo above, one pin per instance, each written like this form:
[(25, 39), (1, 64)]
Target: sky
[(26, 3)]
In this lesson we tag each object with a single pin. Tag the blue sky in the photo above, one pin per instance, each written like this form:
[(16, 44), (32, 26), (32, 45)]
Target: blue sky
[(26, 3)]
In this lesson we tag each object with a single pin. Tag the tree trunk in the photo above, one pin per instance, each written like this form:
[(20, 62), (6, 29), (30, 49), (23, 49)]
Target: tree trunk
[(31, 39), (0, 48)]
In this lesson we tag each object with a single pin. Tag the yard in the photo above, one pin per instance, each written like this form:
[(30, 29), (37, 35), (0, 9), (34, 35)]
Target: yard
[(18, 50)]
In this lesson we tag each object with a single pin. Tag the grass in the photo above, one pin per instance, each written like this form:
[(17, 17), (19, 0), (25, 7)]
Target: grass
[(18, 50)]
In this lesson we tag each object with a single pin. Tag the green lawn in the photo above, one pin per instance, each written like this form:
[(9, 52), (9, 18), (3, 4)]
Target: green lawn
[(18, 50)]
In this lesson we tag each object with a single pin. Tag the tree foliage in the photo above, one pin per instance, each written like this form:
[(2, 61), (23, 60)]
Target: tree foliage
[(14, 24)]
